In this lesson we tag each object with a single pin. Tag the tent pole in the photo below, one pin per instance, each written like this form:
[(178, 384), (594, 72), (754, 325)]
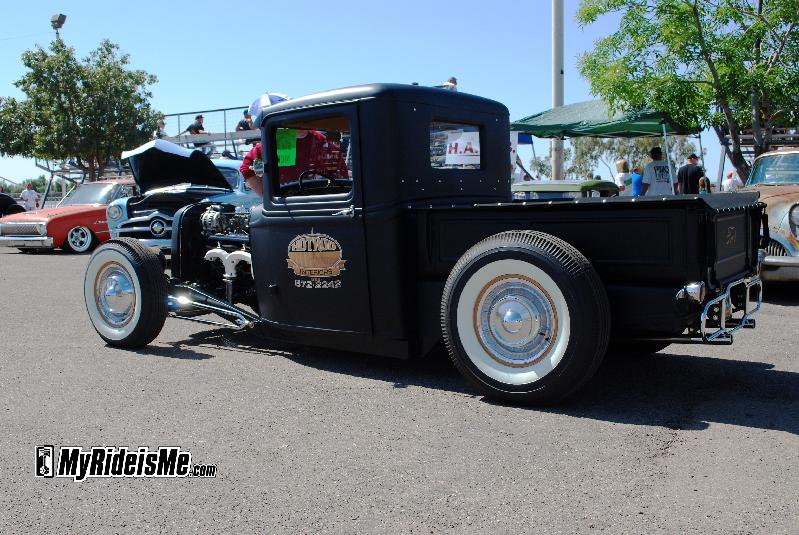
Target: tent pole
[(668, 157)]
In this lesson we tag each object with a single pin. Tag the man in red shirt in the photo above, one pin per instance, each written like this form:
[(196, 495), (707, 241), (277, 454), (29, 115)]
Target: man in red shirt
[(313, 151)]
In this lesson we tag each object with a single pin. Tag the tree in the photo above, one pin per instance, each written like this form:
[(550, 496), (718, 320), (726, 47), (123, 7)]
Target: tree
[(541, 167), (87, 111), (38, 183), (726, 64)]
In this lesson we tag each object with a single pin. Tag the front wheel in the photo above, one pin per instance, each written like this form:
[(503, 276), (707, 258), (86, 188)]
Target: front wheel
[(125, 289), (525, 317), (79, 240)]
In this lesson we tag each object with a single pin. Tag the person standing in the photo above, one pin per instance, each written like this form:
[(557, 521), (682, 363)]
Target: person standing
[(636, 182), (623, 178), (160, 132), (451, 84), (732, 183), (196, 128), (30, 197), (245, 123), (704, 185), (657, 178), (688, 176)]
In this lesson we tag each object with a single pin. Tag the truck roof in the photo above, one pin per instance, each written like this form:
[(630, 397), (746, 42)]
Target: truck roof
[(398, 92)]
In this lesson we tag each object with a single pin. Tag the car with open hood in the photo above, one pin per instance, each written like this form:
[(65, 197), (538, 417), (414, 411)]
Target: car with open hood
[(776, 176), (77, 224), (170, 177)]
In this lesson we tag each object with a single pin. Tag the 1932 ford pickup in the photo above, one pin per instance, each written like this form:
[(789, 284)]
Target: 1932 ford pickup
[(409, 236)]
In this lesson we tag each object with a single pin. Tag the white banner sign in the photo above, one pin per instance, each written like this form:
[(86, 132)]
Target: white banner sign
[(463, 148)]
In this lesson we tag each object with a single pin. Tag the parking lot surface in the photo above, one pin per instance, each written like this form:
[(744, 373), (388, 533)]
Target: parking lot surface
[(694, 439)]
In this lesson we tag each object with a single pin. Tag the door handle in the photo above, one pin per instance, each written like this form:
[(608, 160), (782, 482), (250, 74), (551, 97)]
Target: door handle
[(349, 211)]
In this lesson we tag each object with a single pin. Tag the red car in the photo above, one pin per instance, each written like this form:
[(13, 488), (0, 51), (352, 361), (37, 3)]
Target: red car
[(77, 224)]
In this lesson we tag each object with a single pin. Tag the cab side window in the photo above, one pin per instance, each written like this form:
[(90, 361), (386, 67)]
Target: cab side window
[(314, 157)]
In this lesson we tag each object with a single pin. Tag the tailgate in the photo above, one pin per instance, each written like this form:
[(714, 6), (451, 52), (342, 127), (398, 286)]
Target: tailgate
[(733, 235)]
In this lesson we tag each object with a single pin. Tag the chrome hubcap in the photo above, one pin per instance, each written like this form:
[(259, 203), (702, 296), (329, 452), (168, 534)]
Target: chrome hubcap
[(515, 321), (78, 238), (115, 295)]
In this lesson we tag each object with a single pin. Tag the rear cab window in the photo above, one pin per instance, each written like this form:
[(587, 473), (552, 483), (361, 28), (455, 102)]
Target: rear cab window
[(454, 145)]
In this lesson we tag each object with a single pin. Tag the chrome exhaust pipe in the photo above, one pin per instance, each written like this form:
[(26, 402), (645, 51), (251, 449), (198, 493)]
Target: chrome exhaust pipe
[(184, 298)]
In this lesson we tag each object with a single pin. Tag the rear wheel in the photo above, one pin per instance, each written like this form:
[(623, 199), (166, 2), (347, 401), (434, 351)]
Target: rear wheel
[(525, 317), (125, 289), (79, 240)]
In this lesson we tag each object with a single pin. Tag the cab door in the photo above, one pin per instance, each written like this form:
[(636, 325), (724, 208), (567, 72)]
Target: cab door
[(309, 249)]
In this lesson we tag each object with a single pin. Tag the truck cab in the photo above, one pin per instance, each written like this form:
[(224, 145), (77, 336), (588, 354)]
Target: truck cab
[(388, 227)]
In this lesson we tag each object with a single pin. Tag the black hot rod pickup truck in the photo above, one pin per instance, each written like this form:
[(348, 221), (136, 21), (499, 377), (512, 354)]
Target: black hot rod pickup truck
[(387, 226)]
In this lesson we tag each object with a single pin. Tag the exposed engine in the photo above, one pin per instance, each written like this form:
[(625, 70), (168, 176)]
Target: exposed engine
[(225, 229), (224, 220)]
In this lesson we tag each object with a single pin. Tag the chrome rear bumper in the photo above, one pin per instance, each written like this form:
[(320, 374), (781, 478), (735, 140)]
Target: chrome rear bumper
[(719, 318), (719, 311)]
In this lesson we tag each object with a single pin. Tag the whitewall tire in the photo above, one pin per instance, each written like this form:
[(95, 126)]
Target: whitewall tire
[(125, 291), (525, 317)]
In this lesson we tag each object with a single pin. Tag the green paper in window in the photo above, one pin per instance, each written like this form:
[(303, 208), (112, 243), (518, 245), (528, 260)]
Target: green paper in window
[(286, 147)]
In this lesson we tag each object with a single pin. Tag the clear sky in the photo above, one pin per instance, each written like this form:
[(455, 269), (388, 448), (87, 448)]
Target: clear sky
[(210, 55)]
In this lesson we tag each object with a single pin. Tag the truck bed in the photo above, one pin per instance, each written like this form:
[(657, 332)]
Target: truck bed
[(644, 249)]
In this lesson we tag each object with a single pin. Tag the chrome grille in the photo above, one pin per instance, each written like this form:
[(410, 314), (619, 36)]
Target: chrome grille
[(775, 249), (19, 229)]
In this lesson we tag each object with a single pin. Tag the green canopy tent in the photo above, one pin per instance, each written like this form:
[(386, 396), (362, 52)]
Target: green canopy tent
[(592, 118)]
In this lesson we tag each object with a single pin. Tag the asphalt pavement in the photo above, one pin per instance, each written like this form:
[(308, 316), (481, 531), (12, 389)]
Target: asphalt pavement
[(695, 439)]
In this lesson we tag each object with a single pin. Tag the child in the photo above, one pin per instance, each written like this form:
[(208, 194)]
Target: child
[(704, 186)]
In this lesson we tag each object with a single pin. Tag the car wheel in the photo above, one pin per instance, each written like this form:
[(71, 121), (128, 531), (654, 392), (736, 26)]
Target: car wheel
[(125, 289), (79, 240), (525, 317)]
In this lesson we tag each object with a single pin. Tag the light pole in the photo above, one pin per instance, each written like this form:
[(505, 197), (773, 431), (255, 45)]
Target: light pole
[(556, 145), (57, 22)]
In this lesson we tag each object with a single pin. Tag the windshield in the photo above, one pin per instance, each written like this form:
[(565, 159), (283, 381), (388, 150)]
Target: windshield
[(92, 193), (776, 169), (231, 175)]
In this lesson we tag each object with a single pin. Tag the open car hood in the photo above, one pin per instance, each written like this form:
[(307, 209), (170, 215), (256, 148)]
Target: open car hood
[(160, 163)]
